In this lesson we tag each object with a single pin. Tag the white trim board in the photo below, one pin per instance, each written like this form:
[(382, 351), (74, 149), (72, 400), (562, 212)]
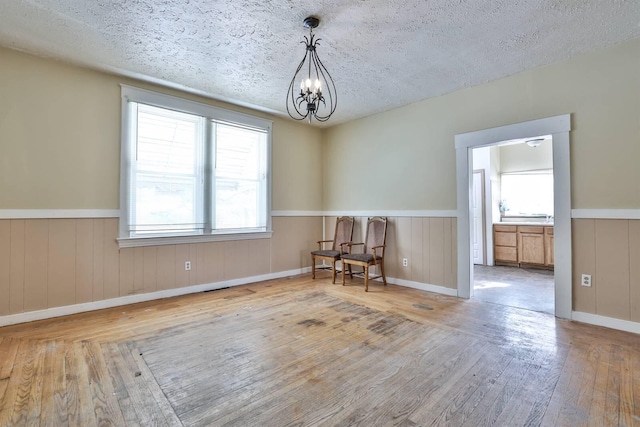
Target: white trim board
[(607, 322), (605, 213), (423, 286), (49, 313), (398, 213), (58, 213), (115, 213), (297, 213)]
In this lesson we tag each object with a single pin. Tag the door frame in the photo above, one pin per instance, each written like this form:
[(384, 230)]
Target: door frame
[(484, 215), (558, 127)]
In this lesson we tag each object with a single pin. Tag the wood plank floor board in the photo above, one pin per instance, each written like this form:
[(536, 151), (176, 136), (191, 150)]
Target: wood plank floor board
[(8, 351), (304, 352), (612, 398), (107, 410), (53, 410), (82, 411), (635, 373), (626, 388), (598, 397), (24, 387)]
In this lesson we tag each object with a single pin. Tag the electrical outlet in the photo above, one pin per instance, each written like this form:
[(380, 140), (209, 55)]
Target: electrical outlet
[(405, 262), (187, 265), (586, 280)]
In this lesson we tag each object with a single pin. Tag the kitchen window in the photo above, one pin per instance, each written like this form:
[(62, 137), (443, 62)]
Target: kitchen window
[(191, 172), (527, 193)]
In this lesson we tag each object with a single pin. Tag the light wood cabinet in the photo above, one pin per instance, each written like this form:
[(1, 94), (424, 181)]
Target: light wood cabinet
[(530, 245), (505, 244)]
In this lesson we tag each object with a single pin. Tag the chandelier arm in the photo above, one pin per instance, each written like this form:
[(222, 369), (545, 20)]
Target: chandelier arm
[(291, 89), (322, 71)]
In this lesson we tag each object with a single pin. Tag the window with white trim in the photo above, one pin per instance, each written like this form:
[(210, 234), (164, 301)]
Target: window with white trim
[(190, 169), (527, 193)]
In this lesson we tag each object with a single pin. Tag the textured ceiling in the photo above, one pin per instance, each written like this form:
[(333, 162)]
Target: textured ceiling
[(381, 53)]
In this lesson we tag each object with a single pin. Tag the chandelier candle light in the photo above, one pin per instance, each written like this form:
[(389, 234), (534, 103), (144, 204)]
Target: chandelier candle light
[(317, 97)]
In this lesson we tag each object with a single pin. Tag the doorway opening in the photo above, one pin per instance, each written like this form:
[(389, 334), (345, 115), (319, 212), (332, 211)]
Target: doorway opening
[(512, 207), (558, 129)]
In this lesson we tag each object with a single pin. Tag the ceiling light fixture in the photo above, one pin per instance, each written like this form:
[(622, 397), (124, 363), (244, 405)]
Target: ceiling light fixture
[(534, 142), (317, 97)]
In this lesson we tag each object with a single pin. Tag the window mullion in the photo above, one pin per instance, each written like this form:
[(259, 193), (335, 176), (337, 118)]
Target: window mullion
[(210, 176)]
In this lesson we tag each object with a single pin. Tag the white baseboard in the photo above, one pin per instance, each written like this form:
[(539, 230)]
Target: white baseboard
[(58, 213), (607, 322), (423, 286), (49, 313)]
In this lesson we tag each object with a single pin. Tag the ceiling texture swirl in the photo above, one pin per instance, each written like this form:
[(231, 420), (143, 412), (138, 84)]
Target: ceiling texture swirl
[(382, 54)]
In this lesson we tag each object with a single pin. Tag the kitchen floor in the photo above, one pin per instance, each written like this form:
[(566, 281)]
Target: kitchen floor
[(528, 288)]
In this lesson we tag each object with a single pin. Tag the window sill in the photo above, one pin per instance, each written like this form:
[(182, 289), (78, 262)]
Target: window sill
[(134, 242)]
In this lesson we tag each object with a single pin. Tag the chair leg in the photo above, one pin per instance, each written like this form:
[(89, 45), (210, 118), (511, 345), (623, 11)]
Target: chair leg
[(313, 267), (333, 271), (384, 278), (343, 268), (366, 278)]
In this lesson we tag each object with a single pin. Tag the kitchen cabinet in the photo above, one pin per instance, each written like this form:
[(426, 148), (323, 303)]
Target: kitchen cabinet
[(531, 244), (518, 245), (505, 245)]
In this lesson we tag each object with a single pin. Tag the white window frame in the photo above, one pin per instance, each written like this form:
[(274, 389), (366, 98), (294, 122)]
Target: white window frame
[(131, 94)]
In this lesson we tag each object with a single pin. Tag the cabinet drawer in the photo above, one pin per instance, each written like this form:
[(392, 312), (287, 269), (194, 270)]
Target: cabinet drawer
[(548, 230), (504, 239), (530, 229), (506, 254), (505, 228)]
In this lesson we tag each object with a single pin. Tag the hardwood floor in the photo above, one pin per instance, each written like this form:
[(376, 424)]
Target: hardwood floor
[(302, 352)]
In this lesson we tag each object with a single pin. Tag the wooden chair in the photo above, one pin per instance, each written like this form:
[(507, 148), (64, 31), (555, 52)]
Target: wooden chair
[(342, 237), (373, 252)]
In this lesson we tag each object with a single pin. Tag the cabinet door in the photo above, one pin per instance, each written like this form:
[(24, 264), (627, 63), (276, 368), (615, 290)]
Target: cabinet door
[(531, 248)]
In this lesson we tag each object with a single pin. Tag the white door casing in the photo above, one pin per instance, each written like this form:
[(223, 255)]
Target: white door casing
[(558, 127), (477, 201)]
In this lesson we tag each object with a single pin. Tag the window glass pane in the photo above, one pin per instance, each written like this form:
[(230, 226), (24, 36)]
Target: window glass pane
[(166, 140), (240, 178), (237, 204), (165, 204), (167, 172), (527, 194)]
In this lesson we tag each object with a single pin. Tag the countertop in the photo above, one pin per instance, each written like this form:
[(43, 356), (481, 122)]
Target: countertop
[(539, 223)]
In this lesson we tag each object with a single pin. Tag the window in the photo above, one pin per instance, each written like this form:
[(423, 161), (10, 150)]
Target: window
[(191, 172), (527, 193)]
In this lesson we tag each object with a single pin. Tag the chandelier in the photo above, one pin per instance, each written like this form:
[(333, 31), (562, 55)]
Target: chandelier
[(317, 97)]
